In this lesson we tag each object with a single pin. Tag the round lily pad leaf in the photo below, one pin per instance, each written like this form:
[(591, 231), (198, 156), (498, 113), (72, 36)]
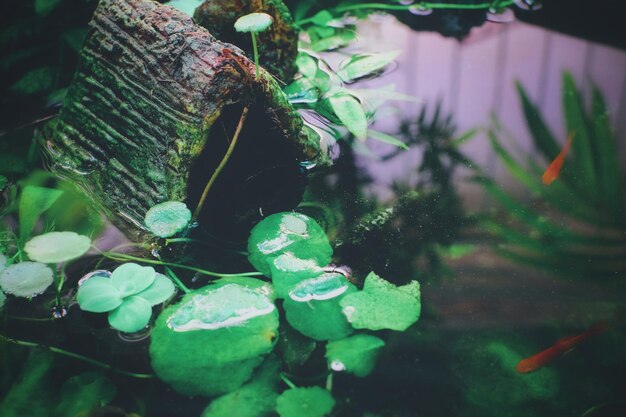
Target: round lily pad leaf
[(168, 218), (305, 402), (210, 342), (98, 295), (159, 291), (356, 355), (130, 278), (132, 315), (287, 271), (313, 307), (253, 22), (55, 247), (287, 232), (26, 279), (382, 305)]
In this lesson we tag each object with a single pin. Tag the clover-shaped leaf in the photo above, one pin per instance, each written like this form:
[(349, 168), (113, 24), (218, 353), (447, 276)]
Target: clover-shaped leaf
[(131, 278), (159, 291), (356, 354), (382, 305), (287, 232), (168, 218), (55, 247), (253, 22), (132, 315), (26, 279), (305, 402), (98, 295)]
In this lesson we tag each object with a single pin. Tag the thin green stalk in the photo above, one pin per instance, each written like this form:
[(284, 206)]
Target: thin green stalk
[(222, 164), (177, 280), (256, 55), (329, 382), (75, 356), (287, 381), (124, 257)]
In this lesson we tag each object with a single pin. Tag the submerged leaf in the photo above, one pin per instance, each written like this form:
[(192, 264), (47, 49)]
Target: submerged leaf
[(305, 402), (356, 355), (98, 295), (253, 22), (34, 201), (168, 218), (55, 247), (350, 113), (382, 305), (26, 279), (132, 315), (81, 393)]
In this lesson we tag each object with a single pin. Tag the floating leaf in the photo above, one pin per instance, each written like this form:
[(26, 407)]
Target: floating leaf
[(287, 271), (382, 305), (98, 295), (186, 6), (168, 218), (350, 113), (159, 291), (253, 22), (313, 307), (356, 355), (287, 232), (305, 402), (132, 315), (363, 65), (383, 137), (34, 201), (81, 393), (26, 279), (130, 278), (55, 247)]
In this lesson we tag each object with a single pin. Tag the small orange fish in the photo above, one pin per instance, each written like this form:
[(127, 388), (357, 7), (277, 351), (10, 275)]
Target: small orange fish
[(560, 347), (553, 170)]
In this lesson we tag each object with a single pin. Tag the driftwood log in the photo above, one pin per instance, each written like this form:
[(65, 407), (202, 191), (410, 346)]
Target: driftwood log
[(150, 114)]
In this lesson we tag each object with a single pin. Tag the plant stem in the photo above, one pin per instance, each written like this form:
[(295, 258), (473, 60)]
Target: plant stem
[(177, 280), (256, 54), (329, 382), (287, 381), (124, 257), (75, 356), (222, 164)]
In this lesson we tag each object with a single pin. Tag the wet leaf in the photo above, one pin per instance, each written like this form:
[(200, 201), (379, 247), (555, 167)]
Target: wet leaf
[(350, 113), (382, 305), (287, 271), (253, 22), (168, 218), (55, 247), (356, 355), (305, 402), (26, 279), (302, 90), (130, 278), (132, 315), (81, 393), (98, 295), (363, 65), (34, 201), (160, 290)]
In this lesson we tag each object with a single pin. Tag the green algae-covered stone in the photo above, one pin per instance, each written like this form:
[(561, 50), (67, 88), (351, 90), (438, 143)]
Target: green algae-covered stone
[(287, 271), (287, 232), (382, 305), (356, 354), (211, 341), (313, 307), (305, 402)]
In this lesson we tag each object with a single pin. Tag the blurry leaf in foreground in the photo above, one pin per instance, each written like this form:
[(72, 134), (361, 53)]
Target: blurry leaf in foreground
[(55, 247), (81, 393), (34, 201), (26, 279), (383, 137), (356, 355), (305, 402)]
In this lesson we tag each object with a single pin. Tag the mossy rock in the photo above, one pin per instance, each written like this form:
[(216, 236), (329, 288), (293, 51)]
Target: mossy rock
[(211, 342), (150, 113), (278, 45)]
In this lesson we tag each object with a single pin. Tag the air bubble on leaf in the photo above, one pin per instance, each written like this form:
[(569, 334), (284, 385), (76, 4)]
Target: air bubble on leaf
[(356, 354), (58, 312), (504, 15), (26, 279), (420, 10), (337, 366)]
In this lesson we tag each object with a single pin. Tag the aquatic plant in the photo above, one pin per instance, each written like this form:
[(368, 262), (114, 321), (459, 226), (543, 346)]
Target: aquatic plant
[(583, 234), (254, 23), (167, 219)]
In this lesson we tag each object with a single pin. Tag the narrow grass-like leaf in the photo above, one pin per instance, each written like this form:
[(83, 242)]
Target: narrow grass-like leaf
[(383, 137), (541, 135)]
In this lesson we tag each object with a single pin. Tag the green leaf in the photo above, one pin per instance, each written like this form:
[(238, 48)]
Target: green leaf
[(81, 393), (34, 201), (132, 315), (159, 291), (26, 279), (55, 247), (75, 37), (383, 137), (43, 7), (350, 112), (305, 402), (382, 305), (253, 22), (340, 39), (3, 262), (130, 278), (98, 295), (168, 218), (3, 298), (4, 181), (362, 65), (186, 6), (307, 65), (321, 18), (287, 271), (356, 355)]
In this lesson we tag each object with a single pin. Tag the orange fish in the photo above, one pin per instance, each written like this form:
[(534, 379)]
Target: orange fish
[(560, 347), (553, 170)]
